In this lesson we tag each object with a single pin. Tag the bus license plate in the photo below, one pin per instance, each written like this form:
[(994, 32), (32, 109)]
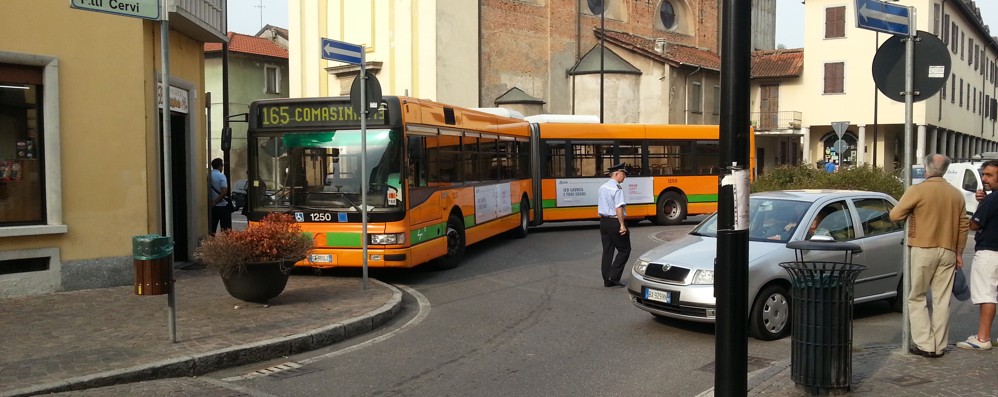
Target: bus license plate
[(322, 258), (656, 295)]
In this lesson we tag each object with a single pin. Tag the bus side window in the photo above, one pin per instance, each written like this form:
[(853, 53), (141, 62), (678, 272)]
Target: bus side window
[(417, 162)]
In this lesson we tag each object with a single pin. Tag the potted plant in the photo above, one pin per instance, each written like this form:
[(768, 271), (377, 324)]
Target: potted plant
[(254, 263)]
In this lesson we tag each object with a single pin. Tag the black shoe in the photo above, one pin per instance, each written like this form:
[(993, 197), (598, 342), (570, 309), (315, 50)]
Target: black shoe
[(919, 352), (612, 284)]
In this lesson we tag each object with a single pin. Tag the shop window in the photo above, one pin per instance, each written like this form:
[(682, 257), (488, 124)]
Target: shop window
[(22, 185), (843, 151)]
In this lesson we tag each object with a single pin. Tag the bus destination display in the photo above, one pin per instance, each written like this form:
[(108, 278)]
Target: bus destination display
[(320, 114)]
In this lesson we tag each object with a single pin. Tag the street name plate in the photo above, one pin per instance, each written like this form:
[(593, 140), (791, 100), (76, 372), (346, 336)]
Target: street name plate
[(146, 9)]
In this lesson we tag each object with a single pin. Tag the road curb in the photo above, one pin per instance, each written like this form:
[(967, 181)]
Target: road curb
[(215, 360)]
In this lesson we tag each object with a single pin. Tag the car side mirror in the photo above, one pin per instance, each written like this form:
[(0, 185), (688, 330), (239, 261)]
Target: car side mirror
[(821, 238)]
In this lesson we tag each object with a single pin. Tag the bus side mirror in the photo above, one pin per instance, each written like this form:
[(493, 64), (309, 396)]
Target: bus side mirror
[(226, 138)]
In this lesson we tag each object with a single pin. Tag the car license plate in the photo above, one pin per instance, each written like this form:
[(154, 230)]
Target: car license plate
[(656, 295), (322, 258)]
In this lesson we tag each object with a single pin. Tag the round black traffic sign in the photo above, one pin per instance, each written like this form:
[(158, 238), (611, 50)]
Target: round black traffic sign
[(931, 67), (372, 94)]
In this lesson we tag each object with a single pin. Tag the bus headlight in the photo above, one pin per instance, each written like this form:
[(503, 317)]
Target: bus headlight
[(387, 239), (640, 266), (703, 277)]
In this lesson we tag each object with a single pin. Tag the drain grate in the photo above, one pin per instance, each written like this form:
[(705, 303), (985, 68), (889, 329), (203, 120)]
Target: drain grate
[(284, 371), (906, 380)]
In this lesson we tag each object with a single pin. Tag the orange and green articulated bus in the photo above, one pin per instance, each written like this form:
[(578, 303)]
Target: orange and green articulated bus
[(672, 169), (435, 178)]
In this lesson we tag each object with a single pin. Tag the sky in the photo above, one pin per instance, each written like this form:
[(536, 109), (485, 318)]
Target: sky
[(245, 17)]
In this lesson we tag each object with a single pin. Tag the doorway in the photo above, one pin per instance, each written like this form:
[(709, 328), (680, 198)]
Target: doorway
[(179, 187)]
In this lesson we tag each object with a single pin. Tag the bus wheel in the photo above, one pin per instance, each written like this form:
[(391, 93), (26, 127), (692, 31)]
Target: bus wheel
[(671, 209), (521, 231), (455, 244)]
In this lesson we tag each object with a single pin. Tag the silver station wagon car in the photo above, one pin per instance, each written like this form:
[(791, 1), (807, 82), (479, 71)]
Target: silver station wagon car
[(676, 279)]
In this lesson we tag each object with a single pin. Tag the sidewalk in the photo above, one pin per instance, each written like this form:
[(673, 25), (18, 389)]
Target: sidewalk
[(886, 371), (92, 338)]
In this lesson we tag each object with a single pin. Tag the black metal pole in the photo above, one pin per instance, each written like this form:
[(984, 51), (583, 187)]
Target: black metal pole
[(602, 48), (876, 98), (731, 272), (225, 104)]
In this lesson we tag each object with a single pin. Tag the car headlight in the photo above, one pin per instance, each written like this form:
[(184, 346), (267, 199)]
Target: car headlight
[(703, 277), (387, 239), (640, 266)]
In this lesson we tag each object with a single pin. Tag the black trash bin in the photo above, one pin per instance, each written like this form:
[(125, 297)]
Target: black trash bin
[(821, 316), (152, 256)]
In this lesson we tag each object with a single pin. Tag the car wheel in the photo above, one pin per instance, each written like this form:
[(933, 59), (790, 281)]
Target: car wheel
[(455, 244), (770, 316), (671, 209)]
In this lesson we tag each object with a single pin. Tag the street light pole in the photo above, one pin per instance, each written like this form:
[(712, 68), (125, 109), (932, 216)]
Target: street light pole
[(602, 49)]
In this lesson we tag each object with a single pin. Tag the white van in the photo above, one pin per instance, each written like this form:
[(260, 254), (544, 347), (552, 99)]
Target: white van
[(966, 177)]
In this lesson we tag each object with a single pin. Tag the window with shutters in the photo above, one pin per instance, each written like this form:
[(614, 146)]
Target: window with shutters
[(834, 78), (835, 22)]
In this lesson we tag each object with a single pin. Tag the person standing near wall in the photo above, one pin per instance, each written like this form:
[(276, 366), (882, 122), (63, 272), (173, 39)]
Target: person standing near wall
[(218, 193), (937, 234), (613, 231)]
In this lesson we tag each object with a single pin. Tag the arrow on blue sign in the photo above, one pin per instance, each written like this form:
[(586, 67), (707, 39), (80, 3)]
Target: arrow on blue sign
[(883, 17), (341, 52)]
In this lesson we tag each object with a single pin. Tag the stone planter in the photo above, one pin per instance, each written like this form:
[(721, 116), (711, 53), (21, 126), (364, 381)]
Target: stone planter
[(257, 282)]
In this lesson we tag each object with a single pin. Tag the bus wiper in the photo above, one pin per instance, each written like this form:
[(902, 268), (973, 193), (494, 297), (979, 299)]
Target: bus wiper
[(345, 196), (303, 207)]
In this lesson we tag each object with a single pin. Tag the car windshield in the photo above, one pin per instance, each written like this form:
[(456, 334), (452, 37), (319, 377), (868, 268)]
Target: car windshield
[(773, 220), (918, 172)]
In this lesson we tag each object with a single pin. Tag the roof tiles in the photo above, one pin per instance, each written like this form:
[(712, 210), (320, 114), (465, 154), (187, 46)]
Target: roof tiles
[(253, 45), (778, 63)]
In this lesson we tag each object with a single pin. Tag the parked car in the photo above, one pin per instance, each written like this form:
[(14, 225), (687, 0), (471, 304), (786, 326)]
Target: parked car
[(917, 174), (676, 279)]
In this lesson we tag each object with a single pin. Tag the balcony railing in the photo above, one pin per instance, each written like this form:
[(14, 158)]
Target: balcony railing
[(776, 121), (204, 20)]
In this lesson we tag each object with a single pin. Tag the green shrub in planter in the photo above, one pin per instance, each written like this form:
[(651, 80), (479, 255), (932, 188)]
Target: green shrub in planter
[(808, 176)]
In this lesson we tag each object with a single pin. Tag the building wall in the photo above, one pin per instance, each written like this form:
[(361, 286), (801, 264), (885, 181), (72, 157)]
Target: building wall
[(412, 40), (532, 44), (856, 105), (247, 84), (105, 168)]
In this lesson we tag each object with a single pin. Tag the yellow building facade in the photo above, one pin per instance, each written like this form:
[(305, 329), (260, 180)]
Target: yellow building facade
[(79, 119)]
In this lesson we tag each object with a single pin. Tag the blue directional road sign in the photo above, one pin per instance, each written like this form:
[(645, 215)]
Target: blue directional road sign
[(883, 17), (341, 52)]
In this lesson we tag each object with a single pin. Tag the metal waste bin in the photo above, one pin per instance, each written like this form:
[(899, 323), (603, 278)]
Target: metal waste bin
[(152, 256), (821, 316)]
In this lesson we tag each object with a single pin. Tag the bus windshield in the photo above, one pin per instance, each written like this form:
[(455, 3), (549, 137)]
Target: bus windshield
[(322, 171)]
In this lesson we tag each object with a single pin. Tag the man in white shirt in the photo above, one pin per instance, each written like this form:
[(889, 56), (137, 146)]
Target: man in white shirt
[(613, 231)]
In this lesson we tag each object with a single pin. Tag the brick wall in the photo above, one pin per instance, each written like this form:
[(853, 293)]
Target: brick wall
[(531, 44)]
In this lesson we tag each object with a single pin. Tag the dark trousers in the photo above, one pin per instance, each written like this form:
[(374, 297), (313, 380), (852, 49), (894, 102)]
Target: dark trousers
[(220, 214), (609, 230)]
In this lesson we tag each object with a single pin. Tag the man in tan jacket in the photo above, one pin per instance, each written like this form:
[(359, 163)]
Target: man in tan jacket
[(937, 234)]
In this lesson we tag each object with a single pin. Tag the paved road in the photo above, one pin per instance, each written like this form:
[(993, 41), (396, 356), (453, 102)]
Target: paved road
[(519, 317)]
